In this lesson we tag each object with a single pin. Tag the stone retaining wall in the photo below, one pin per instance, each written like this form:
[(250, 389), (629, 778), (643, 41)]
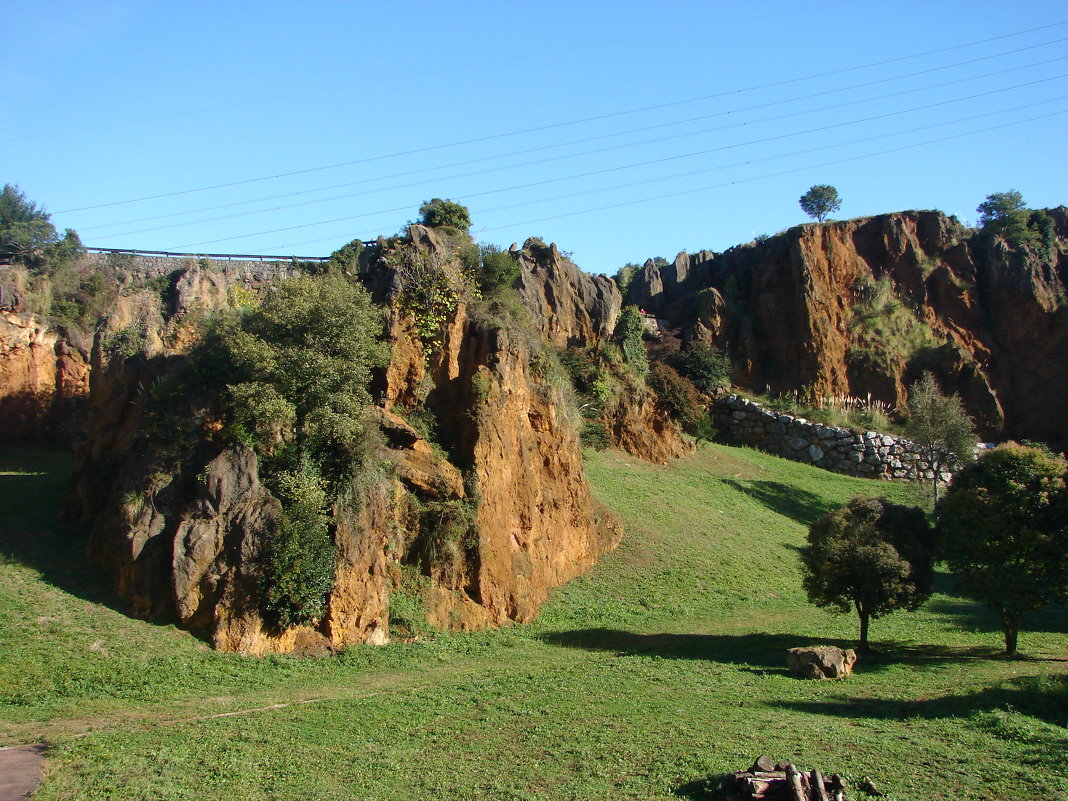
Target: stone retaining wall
[(867, 454), (141, 267)]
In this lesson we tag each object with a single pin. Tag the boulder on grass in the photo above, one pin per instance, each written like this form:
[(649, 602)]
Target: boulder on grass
[(821, 662)]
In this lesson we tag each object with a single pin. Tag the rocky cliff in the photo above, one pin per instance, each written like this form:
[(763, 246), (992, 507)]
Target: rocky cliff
[(865, 306), (476, 491)]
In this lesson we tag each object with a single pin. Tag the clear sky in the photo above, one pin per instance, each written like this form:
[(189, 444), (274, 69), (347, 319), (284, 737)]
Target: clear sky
[(619, 130)]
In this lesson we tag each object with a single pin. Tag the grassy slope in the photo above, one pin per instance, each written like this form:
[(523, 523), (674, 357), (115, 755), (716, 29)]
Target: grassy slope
[(659, 668)]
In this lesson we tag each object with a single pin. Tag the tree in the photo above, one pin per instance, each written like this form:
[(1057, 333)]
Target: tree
[(1003, 527), (1005, 214), (438, 213), (869, 555), (708, 368), (941, 428), (27, 233), (819, 201)]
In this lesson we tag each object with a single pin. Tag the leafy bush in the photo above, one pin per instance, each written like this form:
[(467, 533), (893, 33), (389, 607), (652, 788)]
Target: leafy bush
[(498, 270), (438, 213), (296, 568), (594, 435), (1005, 214), (290, 379), (707, 368), (630, 335), (1004, 533)]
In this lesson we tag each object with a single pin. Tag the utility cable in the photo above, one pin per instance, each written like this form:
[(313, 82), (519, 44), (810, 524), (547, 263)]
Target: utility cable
[(551, 126), (600, 137), (576, 194)]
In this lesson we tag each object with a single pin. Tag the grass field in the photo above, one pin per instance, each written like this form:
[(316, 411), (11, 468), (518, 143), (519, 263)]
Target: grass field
[(662, 667)]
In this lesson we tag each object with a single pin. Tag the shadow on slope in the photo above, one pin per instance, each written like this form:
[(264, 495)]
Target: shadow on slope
[(34, 485), (765, 652), (795, 503)]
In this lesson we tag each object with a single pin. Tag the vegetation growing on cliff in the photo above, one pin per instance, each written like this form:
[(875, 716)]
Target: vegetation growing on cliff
[(887, 333), (289, 379)]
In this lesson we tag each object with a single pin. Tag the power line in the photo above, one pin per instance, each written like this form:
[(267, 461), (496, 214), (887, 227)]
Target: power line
[(614, 188), (600, 137), (780, 173), (552, 126), (633, 165)]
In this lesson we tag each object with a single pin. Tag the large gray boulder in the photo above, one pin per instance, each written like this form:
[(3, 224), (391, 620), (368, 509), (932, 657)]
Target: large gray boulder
[(821, 662)]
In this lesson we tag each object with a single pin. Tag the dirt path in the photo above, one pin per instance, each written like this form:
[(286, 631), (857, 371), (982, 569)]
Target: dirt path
[(21, 770)]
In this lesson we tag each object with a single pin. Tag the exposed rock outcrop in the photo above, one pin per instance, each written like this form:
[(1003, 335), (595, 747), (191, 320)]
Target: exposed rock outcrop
[(796, 311), (185, 544), (44, 375)]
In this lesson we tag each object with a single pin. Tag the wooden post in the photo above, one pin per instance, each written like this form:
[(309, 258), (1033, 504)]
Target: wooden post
[(819, 790), (793, 776)]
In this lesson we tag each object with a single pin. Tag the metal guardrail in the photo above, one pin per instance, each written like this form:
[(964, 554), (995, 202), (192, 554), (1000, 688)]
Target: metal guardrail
[(227, 256)]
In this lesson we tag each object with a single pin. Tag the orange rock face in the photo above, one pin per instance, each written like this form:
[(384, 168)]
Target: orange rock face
[(786, 311), (43, 377)]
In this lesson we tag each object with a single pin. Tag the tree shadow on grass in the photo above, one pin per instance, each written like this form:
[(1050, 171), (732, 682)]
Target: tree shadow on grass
[(763, 652), (34, 486), (797, 504), (974, 616), (1041, 697)]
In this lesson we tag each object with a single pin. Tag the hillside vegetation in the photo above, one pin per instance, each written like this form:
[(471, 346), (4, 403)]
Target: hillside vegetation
[(660, 668)]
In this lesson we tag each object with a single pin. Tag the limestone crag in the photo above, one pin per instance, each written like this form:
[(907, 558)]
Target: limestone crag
[(569, 306), (990, 321), (867, 454), (44, 375), (184, 543)]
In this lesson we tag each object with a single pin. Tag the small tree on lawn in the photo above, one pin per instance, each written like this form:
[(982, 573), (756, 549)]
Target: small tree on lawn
[(1004, 532), (941, 428), (871, 556), (819, 201)]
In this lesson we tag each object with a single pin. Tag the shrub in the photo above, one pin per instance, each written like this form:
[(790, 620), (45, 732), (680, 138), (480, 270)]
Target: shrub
[(630, 335), (707, 368), (594, 434), (296, 568), (497, 270), (438, 213)]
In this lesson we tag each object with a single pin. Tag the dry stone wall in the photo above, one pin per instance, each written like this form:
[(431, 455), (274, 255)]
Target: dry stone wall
[(868, 454)]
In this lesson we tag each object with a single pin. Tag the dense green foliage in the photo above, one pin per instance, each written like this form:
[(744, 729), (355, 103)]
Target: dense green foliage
[(27, 233), (819, 201), (630, 336), (289, 379), (438, 213), (870, 556), (1005, 214), (498, 270), (707, 368), (1004, 531), (941, 428), (679, 398)]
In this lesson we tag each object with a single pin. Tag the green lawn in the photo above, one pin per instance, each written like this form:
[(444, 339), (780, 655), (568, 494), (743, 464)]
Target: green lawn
[(660, 668)]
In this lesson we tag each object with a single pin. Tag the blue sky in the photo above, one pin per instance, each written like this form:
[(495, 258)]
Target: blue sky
[(620, 131)]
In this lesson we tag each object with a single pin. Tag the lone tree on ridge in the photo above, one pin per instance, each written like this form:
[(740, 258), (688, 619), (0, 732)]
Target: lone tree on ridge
[(869, 555), (819, 201)]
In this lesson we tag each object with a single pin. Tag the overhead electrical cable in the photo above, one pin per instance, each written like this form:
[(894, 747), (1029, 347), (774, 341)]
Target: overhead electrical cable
[(780, 173), (674, 157), (602, 189), (551, 126), (591, 139)]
